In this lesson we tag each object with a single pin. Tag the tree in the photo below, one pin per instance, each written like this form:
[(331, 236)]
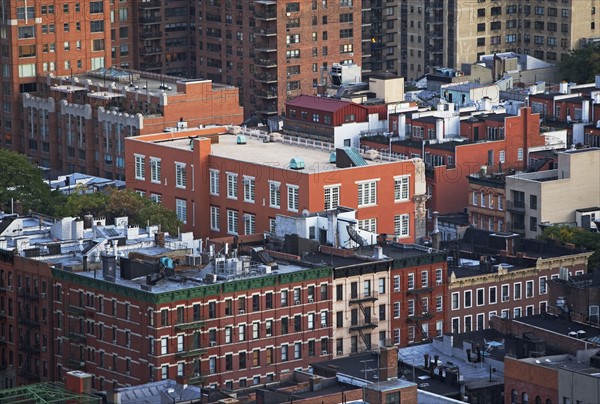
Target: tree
[(581, 238), (581, 65), (116, 203), (22, 181)]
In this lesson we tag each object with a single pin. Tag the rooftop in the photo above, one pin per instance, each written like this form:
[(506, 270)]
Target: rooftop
[(272, 154), (561, 326), (157, 393), (565, 362), (45, 393)]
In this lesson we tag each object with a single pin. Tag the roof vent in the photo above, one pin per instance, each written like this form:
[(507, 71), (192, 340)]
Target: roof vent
[(332, 156), (297, 163), (241, 139)]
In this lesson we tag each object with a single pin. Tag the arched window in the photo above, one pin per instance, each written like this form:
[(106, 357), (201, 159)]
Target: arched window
[(538, 400), (548, 401), (524, 398), (514, 396)]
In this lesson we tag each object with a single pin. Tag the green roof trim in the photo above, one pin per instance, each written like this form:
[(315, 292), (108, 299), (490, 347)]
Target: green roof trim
[(43, 393), (199, 292)]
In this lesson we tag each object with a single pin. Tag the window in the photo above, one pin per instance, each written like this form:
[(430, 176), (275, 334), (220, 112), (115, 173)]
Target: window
[(411, 281), (367, 193), (411, 307), (455, 301), (298, 350), (214, 182), (533, 224), (382, 282), (274, 195), (480, 297), (232, 186), (401, 188), (232, 221), (401, 225), (284, 298), (505, 293), (155, 170), (396, 283), (214, 217), (529, 289), (517, 291), (242, 332), (438, 276), (424, 279), (368, 225), (543, 285), (248, 189), (396, 309), (181, 210), (249, 223), (164, 345), (140, 167), (439, 304), (180, 180), (292, 200), (332, 197), (468, 295), (284, 353)]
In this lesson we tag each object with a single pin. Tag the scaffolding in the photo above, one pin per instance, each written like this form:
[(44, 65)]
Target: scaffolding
[(45, 393)]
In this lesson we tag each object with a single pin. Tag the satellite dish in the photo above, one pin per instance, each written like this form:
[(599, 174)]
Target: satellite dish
[(305, 213), (354, 236)]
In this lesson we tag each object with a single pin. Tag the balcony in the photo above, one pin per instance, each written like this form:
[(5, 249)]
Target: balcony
[(265, 15), (76, 364), (368, 323), (265, 62), (150, 19), (516, 206), (267, 32), (76, 337), (191, 352), (150, 4), (29, 322), (150, 34), (370, 296), (79, 311), (151, 66), (422, 289), (266, 78), (425, 315), (148, 50), (266, 94), (189, 326), (197, 378), (29, 294)]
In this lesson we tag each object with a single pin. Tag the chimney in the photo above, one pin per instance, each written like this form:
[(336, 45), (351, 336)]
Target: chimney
[(159, 239), (78, 382), (388, 363), (426, 356), (478, 353)]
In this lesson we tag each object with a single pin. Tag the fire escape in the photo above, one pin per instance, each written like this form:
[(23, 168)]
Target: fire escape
[(365, 304), (29, 333), (266, 58), (192, 350), (421, 312), (76, 317)]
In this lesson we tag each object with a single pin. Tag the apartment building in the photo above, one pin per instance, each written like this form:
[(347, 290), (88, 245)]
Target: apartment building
[(79, 123), (236, 185), (455, 146), (487, 204), (503, 276), (435, 33), (535, 200)]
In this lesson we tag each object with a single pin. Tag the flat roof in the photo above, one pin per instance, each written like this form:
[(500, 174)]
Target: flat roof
[(322, 103), (272, 154), (551, 322), (566, 362)]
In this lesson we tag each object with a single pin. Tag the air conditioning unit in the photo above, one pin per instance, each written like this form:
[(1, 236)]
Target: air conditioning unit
[(128, 373), (324, 352), (44, 349), (323, 325), (213, 343), (340, 352), (310, 299), (43, 295), (242, 311), (114, 341), (196, 374), (297, 302)]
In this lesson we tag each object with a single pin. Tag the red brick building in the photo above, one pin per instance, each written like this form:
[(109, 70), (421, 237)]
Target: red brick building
[(228, 185), (450, 159), (79, 124)]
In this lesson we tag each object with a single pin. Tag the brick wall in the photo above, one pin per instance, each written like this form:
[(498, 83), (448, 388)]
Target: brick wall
[(529, 378)]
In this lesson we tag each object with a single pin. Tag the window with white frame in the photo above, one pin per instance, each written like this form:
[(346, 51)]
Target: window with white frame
[(492, 298), (181, 210), (232, 190), (249, 223), (272, 223), (475, 198), (411, 307), (180, 179), (543, 285), (401, 225), (529, 289), (284, 353), (164, 345), (292, 198), (439, 276), (517, 312), (155, 170), (468, 298), (274, 195), (401, 188), (156, 198), (480, 297), (367, 193), (368, 225), (411, 333), (396, 283), (215, 217), (520, 154), (396, 336), (332, 196), (424, 279), (140, 167), (500, 202), (180, 343), (232, 221), (505, 293), (439, 304), (455, 301), (411, 281), (517, 291), (213, 184), (491, 201), (482, 199), (396, 309), (501, 156), (248, 189)]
